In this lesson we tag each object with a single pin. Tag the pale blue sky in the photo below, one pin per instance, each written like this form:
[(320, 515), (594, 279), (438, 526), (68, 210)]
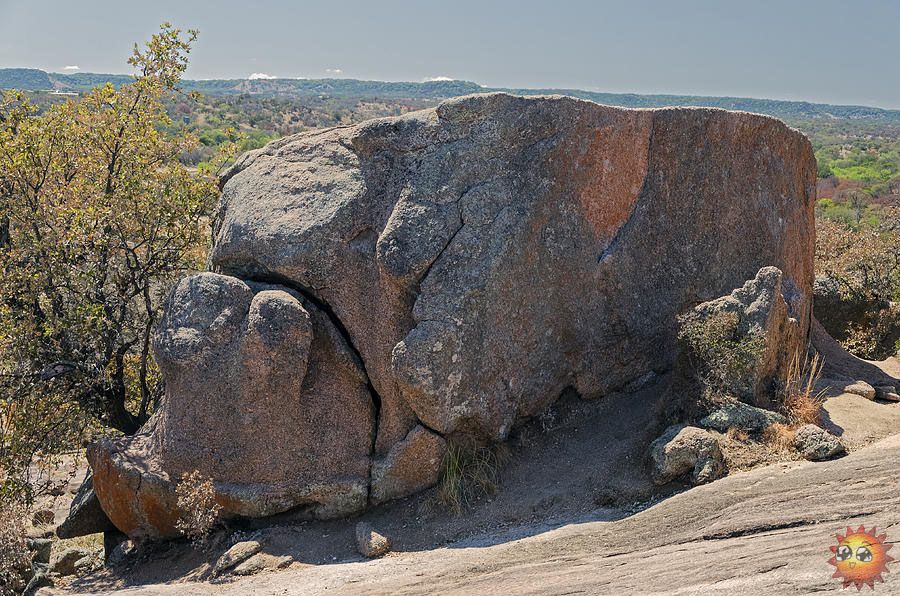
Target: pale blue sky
[(818, 50)]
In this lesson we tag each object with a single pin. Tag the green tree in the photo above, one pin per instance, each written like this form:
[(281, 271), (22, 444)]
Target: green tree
[(99, 217)]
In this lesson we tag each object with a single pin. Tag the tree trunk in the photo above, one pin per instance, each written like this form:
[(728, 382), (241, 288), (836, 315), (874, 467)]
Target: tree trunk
[(4, 232), (117, 416)]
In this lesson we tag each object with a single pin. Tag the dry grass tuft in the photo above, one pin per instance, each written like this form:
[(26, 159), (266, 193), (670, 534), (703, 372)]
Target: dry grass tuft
[(89, 542), (469, 473), (801, 403), (779, 437)]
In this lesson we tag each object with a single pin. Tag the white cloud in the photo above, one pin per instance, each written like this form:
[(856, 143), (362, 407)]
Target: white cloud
[(260, 75), (435, 79), (71, 68), (334, 71)]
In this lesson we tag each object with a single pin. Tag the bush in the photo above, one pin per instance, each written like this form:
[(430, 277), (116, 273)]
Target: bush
[(859, 269), (878, 337), (199, 510), (98, 217), (723, 358)]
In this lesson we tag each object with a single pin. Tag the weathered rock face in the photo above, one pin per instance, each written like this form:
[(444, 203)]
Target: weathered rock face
[(479, 258), (764, 311), (86, 516), (817, 444), (264, 397)]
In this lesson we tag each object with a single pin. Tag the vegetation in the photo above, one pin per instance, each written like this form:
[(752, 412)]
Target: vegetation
[(261, 119), (469, 473), (723, 358), (197, 502), (801, 403), (99, 217), (780, 437), (862, 261), (14, 555), (298, 89)]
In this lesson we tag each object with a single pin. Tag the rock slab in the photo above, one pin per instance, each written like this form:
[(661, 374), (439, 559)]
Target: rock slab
[(86, 516), (236, 555), (741, 416)]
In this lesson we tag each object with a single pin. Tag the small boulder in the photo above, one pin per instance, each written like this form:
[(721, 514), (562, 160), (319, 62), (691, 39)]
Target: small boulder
[(740, 415), (112, 539), (682, 449), (39, 580), (85, 514), (817, 444), (861, 388), (40, 547), (411, 465), (236, 555), (85, 565), (887, 393), (64, 561), (42, 517), (370, 543), (261, 562), (120, 552)]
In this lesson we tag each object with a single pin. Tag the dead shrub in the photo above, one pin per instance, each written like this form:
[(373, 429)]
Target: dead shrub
[(199, 510), (469, 473), (14, 556)]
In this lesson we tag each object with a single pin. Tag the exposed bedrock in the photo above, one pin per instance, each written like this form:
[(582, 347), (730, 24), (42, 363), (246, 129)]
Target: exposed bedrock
[(461, 266)]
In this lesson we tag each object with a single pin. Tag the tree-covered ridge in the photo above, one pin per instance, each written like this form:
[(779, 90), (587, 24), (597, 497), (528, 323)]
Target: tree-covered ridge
[(33, 79)]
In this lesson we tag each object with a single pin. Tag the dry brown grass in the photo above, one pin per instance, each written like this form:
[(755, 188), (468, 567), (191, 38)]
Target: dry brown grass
[(780, 437), (469, 473), (737, 434), (90, 542), (802, 404)]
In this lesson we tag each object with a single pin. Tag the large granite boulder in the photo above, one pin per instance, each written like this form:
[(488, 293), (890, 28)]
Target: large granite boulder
[(471, 262)]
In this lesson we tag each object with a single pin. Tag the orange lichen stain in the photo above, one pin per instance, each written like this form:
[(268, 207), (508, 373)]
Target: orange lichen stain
[(608, 172)]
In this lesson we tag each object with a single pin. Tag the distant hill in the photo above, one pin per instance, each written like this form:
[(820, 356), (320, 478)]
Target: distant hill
[(24, 78), (36, 80)]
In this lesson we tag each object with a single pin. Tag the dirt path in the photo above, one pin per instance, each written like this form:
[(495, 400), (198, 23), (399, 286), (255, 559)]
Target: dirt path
[(763, 531)]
